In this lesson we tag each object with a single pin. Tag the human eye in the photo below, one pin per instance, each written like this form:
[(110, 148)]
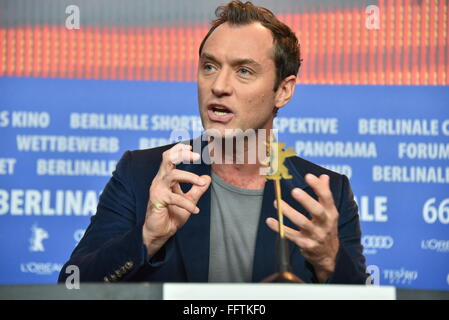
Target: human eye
[(208, 67), (245, 72)]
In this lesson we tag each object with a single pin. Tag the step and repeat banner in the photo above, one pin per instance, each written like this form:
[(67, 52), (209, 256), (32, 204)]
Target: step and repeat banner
[(57, 154), (372, 103)]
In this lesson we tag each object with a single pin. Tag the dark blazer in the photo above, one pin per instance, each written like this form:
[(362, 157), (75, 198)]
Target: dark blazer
[(112, 248)]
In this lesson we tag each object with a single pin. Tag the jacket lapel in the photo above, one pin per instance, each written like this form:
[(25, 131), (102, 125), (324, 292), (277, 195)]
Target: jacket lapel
[(265, 252)]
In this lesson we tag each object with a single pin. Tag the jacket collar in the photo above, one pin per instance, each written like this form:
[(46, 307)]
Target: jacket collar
[(194, 237)]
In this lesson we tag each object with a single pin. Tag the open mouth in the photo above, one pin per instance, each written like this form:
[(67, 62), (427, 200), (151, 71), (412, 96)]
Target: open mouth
[(220, 110), (219, 113)]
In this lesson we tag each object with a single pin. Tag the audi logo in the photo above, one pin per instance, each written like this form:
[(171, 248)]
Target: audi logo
[(377, 242)]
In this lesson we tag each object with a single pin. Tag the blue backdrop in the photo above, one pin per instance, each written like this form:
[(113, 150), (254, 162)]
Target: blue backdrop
[(59, 144)]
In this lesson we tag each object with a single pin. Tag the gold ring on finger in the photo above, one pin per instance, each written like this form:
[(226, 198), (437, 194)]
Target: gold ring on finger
[(158, 204)]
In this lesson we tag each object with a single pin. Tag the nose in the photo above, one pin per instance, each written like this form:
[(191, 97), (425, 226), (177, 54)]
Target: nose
[(221, 86)]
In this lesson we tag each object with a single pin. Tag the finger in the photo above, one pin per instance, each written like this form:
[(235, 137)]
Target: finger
[(310, 204), (182, 153), (321, 188), (297, 218), (177, 175), (197, 191), (184, 203), (181, 215), (291, 234), (177, 154), (167, 156), (176, 200)]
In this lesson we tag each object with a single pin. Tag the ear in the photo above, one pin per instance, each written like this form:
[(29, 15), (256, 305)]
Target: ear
[(285, 91)]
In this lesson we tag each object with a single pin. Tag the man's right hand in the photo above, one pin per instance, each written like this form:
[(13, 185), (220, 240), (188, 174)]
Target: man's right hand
[(169, 207)]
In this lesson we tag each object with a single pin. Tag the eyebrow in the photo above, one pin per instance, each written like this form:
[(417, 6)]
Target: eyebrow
[(236, 62)]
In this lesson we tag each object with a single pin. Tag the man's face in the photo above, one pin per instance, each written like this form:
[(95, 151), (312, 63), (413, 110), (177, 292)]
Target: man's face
[(236, 76)]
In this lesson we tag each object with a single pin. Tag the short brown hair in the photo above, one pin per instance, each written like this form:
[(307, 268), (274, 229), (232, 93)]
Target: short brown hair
[(287, 55)]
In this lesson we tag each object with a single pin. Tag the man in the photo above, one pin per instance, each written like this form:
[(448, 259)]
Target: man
[(162, 218)]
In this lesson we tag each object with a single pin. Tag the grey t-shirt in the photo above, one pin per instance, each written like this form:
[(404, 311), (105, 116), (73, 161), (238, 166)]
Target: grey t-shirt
[(235, 216)]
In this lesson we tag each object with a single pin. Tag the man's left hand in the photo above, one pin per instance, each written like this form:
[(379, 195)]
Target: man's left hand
[(318, 237)]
